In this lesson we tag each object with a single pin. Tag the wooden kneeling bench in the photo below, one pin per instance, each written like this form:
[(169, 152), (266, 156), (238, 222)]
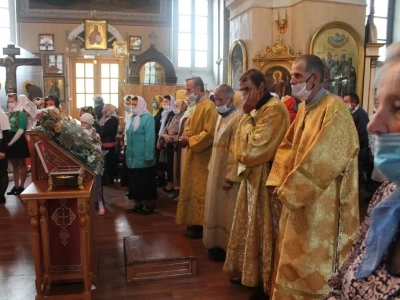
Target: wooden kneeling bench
[(157, 255)]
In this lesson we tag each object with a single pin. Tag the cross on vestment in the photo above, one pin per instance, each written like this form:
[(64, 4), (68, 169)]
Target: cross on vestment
[(11, 64)]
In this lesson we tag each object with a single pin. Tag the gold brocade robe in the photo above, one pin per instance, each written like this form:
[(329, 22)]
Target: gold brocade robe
[(201, 129), (316, 171), (251, 242), (220, 204)]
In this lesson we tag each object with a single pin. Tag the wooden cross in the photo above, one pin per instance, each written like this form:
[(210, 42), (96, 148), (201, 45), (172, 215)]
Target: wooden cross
[(11, 64)]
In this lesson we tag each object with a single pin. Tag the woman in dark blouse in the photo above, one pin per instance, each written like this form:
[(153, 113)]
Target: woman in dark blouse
[(108, 134)]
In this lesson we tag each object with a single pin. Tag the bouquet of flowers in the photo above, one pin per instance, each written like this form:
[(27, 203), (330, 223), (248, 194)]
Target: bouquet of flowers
[(72, 137)]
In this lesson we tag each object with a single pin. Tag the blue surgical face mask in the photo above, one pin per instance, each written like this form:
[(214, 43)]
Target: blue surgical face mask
[(154, 105), (177, 111), (387, 156), (128, 108)]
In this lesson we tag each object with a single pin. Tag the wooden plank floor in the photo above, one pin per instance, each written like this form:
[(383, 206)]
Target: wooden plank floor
[(16, 261)]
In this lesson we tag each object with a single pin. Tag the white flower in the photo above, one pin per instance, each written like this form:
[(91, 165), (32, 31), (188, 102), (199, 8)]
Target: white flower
[(91, 158)]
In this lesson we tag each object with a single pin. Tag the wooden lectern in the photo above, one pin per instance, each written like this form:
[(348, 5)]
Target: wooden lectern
[(62, 223)]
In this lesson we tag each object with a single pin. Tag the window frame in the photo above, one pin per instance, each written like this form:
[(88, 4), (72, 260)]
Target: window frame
[(175, 33)]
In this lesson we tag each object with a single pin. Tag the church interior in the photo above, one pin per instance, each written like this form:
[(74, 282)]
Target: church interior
[(79, 49)]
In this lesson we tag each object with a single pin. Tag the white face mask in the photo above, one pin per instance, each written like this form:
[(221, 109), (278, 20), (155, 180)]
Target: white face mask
[(128, 108), (300, 90), (11, 105), (166, 106), (135, 111), (223, 108), (193, 97)]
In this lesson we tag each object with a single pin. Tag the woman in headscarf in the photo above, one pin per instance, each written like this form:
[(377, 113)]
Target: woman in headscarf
[(166, 115), (372, 267), (140, 158), (170, 136), (108, 134), (30, 112), (17, 146), (90, 110), (157, 105), (180, 153)]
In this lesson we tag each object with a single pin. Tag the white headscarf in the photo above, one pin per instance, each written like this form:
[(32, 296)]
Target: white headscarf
[(31, 109), (165, 114), (138, 111), (21, 100)]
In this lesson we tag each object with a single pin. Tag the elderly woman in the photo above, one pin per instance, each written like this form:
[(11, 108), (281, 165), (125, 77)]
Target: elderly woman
[(108, 134), (90, 110), (170, 138), (372, 268), (140, 159), (98, 106), (17, 146), (157, 106)]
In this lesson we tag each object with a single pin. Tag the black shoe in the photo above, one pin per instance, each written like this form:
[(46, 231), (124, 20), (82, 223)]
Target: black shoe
[(160, 181), (217, 254), (136, 208), (168, 190), (196, 235), (235, 279), (3, 200), (12, 191), (19, 191), (147, 211)]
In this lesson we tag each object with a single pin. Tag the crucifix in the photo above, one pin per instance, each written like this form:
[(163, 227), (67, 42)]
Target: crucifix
[(11, 64)]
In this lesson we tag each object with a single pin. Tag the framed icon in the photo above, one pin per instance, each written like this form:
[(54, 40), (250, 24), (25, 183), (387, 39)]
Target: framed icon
[(54, 85), (342, 51), (96, 34), (46, 42), (135, 42), (237, 63), (53, 63), (120, 49)]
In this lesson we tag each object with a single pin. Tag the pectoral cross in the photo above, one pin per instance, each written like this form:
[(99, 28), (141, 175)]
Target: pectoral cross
[(11, 64)]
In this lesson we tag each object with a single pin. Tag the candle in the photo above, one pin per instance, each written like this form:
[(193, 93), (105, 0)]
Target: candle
[(284, 14), (277, 16)]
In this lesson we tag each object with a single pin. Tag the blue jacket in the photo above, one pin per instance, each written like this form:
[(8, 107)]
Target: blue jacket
[(141, 147)]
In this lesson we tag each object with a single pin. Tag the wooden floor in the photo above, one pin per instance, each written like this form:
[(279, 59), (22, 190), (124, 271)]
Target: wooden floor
[(16, 261)]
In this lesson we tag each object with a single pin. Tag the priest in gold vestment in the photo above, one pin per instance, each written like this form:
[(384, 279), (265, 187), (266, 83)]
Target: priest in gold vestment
[(198, 137), (315, 176), (259, 133), (223, 182)]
